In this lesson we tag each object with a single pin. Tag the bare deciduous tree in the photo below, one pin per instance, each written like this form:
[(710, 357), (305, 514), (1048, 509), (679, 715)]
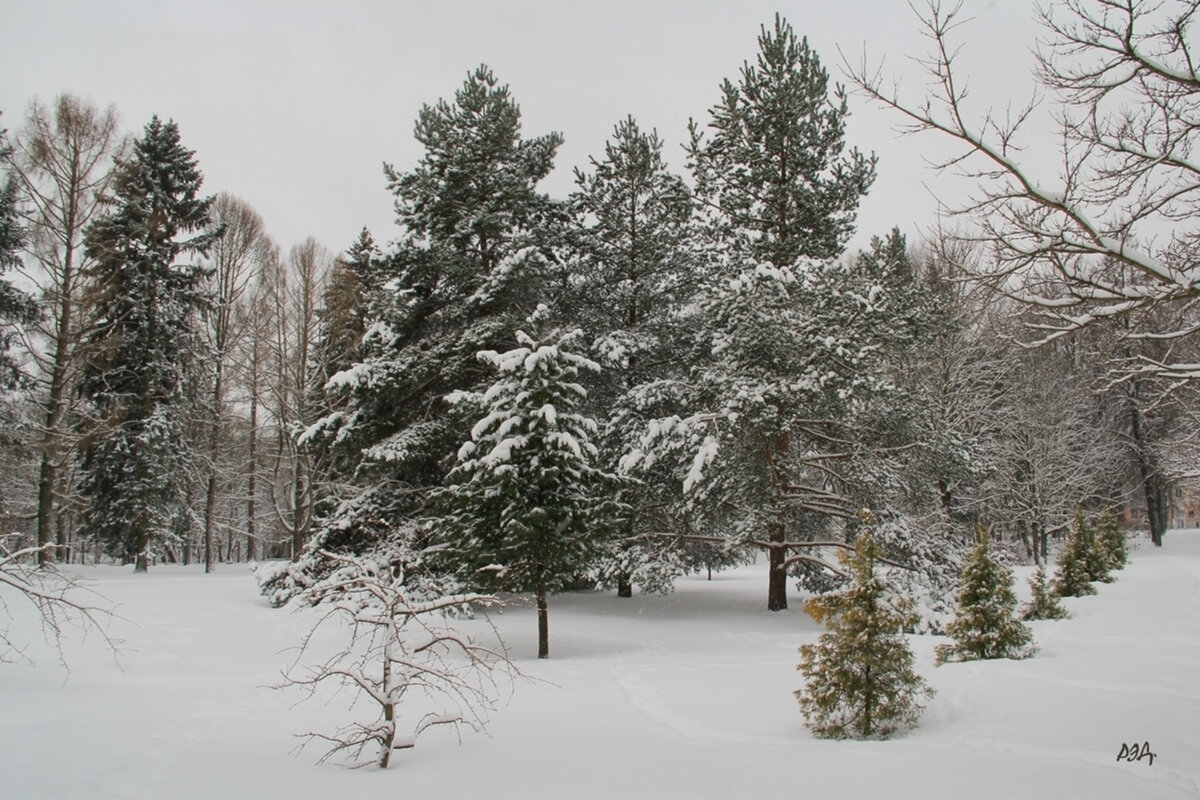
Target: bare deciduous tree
[(63, 158), (399, 648), (237, 257), (1127, 188)]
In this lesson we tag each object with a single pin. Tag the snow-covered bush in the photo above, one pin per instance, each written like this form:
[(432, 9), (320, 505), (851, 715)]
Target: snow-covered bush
[(859, 677)]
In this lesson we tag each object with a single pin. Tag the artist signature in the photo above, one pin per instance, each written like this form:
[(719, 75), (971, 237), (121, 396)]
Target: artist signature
[(1135, 752)]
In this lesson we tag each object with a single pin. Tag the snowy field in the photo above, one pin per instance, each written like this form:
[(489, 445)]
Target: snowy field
[(685, 696)]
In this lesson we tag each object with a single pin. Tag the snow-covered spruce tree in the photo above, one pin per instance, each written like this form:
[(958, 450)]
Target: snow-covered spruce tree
[(400, 651), (986, 625), (1073, 575), (16, 307), (469, 265), (632, 272), (526, 508), (1043, 603), (859, 677), (1110, 540), (141, 343)]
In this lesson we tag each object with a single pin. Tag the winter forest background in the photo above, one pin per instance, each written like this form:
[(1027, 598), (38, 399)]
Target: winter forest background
[(675, 370)]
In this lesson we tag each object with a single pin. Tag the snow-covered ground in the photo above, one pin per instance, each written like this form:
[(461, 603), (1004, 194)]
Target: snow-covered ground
[(684, 696)]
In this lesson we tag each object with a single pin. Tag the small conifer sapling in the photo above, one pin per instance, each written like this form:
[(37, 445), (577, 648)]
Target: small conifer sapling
[(985, 625), (1073, 577), (1110, 539), (1043, 603), (859, 677)]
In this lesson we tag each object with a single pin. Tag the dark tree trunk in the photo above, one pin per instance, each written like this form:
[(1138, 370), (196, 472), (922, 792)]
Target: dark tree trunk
[(1153, 486), (210, 506), (777, 571), (624, 586), (45, 510), (1157, 503), (543, 624)]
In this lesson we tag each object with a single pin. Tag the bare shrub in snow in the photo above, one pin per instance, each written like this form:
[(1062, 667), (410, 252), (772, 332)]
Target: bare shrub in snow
[(397, 649)]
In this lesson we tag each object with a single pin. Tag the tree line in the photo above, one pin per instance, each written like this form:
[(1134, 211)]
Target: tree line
[(660, 373)]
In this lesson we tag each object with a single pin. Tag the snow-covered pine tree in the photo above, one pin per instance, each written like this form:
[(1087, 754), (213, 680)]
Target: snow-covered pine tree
[(773, 167), (633, 270), (1110, 540), (526, 508), (1043, 603), (1073, 575), (986, 625), (141, 342), (859, 677), (791, 344), (469, 265)]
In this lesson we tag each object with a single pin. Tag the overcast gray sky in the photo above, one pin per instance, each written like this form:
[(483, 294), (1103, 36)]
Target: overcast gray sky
[(293, 105)]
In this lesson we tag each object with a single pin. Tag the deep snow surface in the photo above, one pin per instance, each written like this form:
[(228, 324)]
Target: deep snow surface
[(684, 696)]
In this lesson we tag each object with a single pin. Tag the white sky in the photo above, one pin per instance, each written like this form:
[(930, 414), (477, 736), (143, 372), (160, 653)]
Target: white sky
[(293, 105)]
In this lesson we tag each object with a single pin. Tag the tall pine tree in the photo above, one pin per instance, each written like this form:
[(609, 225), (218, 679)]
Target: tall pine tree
[(633, 275), (790, 339), (141, 342)]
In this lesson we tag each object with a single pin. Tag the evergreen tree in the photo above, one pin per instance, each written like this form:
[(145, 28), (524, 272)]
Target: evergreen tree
[(774, 171), (1043, 603), (1110, 540), (471, 263), (859, 678), (526, 508), (985, 625), (141, 341), (16, 307), (1073, 576), (633, 272), (788, 345)]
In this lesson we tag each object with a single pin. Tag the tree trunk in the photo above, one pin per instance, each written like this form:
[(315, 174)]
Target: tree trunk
[(777, 571), (624, 585), (252, 488), (543, 624), (210, 506), (45, 509), (1157, 503)]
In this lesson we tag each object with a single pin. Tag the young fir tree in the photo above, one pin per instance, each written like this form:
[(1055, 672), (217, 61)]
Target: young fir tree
[(1110, 540), (859, 677), (986, 625), (1074, 575), (1043, 603), (526, 508), (633, 272), (141, 342)]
